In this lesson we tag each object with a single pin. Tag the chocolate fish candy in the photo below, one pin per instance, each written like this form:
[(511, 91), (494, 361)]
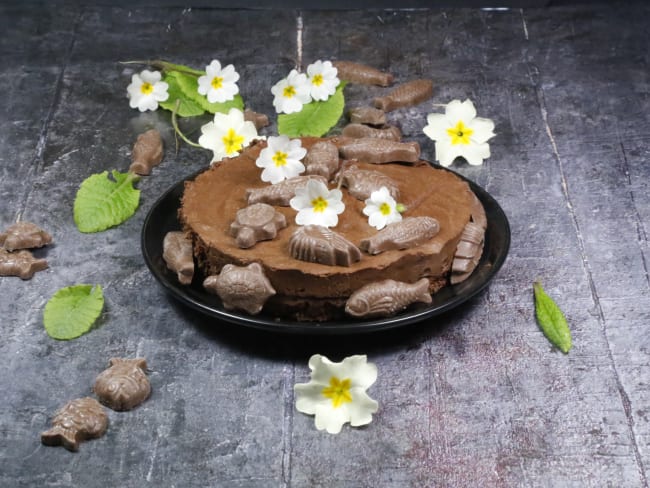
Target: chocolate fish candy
[(177, 254), (76, 421), (259, 120), (24, 235), (322, 159), (20, 263), (124, 385), (318, 244), (358, 131), (257, 222), (367, 115), (405, 234), (405, 95), (380, 151), (362, 74), (281, 193), (386, 297), (362, 182), (241, 287), (468, 252), (147, 152)]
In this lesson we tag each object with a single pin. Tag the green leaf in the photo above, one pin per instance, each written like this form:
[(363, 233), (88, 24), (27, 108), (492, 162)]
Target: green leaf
[(102, 202), (72, 311), (315, 118), (190, 87), (187, 107), (551, 319)]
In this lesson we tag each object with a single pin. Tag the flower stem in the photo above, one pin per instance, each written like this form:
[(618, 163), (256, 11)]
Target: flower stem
[(176, 128)]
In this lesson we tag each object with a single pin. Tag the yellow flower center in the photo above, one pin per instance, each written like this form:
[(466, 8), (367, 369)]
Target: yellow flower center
[(338, 391), (317, 80), (460, 134), (319, 204), (384, 208), (232, 141), (289, 91), (146, 88), (217, 82), (280, 159)]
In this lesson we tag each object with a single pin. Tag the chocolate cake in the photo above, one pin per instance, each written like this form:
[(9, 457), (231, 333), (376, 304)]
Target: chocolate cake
[(318, 291)]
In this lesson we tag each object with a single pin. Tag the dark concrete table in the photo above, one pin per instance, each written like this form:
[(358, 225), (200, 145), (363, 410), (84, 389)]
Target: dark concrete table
[(476, 397)]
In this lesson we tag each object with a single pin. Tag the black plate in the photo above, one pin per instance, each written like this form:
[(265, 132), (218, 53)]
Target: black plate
[(162, 218)]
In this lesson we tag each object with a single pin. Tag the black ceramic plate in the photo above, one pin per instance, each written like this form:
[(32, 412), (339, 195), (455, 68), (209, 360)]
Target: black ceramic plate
[(162, 218)]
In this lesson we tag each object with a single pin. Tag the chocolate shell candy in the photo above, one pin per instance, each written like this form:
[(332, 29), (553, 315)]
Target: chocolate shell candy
[(257, 222), (468, 252), (177, 254), (359, 130), (241, 287), (20, 263), (362, 182), (24, 235), (379, 151), (147, 152), (322, 159), (318, 244), (385, 298), (76, 421), (405, 234), (124, 385), (404, 95), (281, 193), (362, 74)]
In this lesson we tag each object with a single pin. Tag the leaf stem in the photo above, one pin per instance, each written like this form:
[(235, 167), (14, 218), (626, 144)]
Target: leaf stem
[(176, 128)]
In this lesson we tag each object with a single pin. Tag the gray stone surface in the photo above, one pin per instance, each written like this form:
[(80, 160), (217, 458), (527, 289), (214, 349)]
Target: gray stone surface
[(476, 397)]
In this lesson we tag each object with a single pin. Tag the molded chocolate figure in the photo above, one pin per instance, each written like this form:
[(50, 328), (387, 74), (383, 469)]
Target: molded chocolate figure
[(76, 421), (322, 159), (468, 252), (318, 244), (386, 297), (241, 287), (280, 193), (362, 74), (257, 222), (258, 119), (147, 152), (367, 115), (124, 385), (20, 263), (379, 151), (404, 95), (24, 235), (359, 130), (177, 254), (362, 182), (405, 234)]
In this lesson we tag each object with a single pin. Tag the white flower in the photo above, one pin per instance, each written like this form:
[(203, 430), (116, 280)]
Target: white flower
[(220, 85), (336, 393), (322, 80), (459, 132), (291, 93), (317, 205), (146, 90), (381, 209), (281, 159), (227, 134)]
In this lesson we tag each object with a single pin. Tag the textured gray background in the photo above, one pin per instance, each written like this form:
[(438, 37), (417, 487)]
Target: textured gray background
[(477, 397)]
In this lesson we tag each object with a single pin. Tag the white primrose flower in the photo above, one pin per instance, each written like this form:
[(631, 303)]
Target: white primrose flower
[(281, 159), (227, 134), (381, 209), (317, 205), (322, 80), (460, 133), (146, 90), (219, 84), (336, 393), (291, 93)]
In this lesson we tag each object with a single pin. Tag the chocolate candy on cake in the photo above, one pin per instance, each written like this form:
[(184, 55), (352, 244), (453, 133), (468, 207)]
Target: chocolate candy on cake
[(359, 130), (468, 252), (405, 234), (362, 182), (177, 254), (241, 287), (404, 95), (322, 159), (318, 244), (76, 421), (24, 235), (367, 115), (147, 152), (281, 193), (380, 151), (124, 385), (259, 120), (386, 298), (257, 222)]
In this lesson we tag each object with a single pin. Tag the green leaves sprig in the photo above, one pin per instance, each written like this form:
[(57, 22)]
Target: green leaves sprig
[(551, 319), (72, 311)]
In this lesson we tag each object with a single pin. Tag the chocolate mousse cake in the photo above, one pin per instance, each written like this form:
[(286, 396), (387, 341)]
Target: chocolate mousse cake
[(310, 273)]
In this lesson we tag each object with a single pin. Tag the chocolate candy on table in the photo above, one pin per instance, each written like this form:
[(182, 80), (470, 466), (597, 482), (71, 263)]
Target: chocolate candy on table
[(78, 420), (124, 385)]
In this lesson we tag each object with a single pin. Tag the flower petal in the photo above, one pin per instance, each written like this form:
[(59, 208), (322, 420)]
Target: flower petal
[(483, 130), (331, 419), (436, 128), (476, 153), (361, 408), (457, 110)]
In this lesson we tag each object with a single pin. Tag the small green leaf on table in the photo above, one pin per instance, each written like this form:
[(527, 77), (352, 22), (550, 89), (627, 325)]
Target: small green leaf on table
[(551, 319), (72, 311)]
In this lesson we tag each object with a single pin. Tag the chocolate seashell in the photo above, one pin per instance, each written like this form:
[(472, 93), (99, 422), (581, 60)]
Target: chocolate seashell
[(20, 263), (257, 222), (468, 252), (359, 130), (24, 235), (241, 287), (147, 152), (362, 74), (387, 297), (362, 182), (124, 385), (76, 421), (404, 95), (177, 254), (322, 159), (318, 244), (281, 193), (379, 151), (405, 234)]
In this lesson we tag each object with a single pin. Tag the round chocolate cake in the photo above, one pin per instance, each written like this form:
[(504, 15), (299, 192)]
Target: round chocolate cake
[(319, 291)]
